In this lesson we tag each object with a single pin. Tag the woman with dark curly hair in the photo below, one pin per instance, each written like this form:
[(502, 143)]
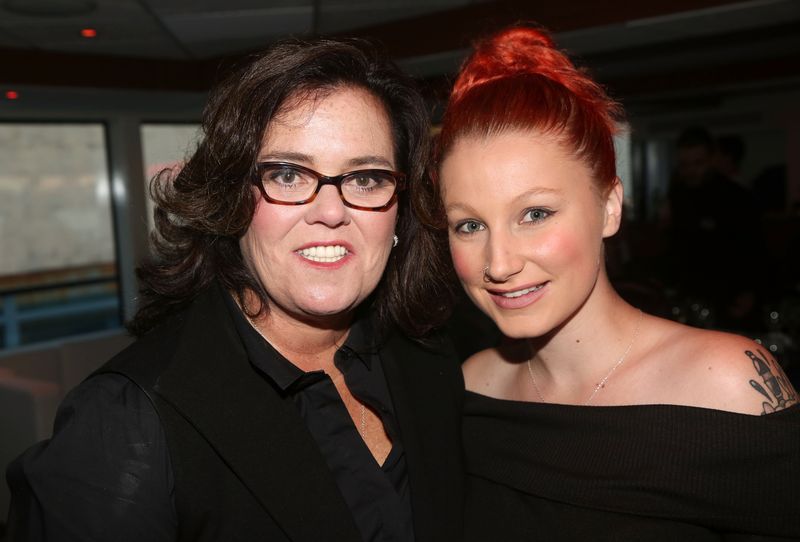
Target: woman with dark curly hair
[(273, 393), (594, 421)]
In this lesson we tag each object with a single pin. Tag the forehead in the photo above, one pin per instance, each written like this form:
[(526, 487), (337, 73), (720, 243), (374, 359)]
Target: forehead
[(511, 160), (331, 124), (488, 174), (302, 109)]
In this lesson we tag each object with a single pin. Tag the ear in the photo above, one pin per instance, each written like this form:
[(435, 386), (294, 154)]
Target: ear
[(613, 209)]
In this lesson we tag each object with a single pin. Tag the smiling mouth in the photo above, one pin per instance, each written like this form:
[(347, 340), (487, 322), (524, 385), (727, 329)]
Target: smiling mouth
[(324, 254), (520, 293)]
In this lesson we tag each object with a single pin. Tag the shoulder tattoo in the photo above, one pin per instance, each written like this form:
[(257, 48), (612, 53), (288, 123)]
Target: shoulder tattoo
[(771, 383)]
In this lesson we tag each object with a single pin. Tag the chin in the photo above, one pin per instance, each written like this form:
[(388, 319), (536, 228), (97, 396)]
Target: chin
[(522, 326), (518, 332), (329, 306)]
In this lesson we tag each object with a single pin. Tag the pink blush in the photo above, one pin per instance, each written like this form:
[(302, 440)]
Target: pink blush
[(465, 265)]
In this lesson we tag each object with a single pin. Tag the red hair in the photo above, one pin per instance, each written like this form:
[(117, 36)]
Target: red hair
[(518, 80)]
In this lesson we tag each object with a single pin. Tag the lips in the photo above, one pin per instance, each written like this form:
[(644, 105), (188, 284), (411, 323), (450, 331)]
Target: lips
[(520, 293), (324, 253), (519, 298)]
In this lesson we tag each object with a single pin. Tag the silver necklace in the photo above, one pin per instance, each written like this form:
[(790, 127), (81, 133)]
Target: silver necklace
[(602, 382), (362, 408)]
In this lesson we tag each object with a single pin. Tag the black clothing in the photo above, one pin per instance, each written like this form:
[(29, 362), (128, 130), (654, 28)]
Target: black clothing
[(105, 471), (377, 496), (244, 464), (656, 472)]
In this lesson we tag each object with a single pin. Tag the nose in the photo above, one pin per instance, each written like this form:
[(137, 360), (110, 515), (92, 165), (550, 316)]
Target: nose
[(328, 208), (503, 257)]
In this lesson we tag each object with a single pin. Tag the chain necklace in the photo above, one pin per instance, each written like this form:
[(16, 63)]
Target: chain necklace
[(602, 383), (362, 409)]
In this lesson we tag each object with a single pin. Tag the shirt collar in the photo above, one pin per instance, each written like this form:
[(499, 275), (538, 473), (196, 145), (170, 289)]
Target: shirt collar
[(360, 344)]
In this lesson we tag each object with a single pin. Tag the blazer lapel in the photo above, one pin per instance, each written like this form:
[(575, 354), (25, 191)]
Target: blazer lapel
[(259, 435)]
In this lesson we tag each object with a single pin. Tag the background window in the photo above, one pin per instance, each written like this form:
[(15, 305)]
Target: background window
[(58, 273), (166, 146)]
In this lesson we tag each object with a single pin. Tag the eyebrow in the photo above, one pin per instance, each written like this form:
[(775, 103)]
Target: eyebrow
[(536, 191), (532, 192), (458, 207), (299, 157), (286, 156), (371, 160)]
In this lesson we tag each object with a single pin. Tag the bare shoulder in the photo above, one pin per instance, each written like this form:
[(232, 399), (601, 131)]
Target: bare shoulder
[(488, 371), (733, 373)]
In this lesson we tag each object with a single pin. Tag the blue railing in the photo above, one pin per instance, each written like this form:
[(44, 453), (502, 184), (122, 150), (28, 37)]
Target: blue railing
[(70, 314)]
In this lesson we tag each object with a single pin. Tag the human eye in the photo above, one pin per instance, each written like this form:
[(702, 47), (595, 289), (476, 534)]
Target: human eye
[(286, 177), (367, 181), (536, 215), (467, 227), (283, 175)]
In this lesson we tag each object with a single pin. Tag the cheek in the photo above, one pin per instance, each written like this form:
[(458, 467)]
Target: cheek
[(264, 220), (377, 229), (465, 261), (270, 224), (387, 222), (566, 249), (252, 245)]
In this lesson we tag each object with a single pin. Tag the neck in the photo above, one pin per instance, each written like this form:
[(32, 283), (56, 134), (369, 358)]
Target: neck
[(309, 343), (577, 354)]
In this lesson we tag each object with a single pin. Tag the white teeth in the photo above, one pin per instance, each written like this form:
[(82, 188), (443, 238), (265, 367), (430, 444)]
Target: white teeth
[(324, 253), (519, 293)]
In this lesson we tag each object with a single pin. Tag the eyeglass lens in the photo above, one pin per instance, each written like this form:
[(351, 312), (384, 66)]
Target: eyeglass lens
[(368, 188)]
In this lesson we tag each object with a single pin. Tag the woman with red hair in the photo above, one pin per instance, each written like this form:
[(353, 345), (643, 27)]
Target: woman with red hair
[(594, 421)]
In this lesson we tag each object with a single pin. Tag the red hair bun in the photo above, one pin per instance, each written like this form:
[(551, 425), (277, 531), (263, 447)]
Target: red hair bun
[(517, 79)]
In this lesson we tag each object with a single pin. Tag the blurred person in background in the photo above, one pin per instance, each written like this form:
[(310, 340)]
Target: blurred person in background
[(714, 230), (728, 157)]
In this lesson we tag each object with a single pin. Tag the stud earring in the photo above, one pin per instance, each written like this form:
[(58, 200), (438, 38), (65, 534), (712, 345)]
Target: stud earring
[(395, 240)]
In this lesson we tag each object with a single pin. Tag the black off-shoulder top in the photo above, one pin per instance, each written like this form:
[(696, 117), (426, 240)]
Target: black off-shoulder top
[(651, 472)]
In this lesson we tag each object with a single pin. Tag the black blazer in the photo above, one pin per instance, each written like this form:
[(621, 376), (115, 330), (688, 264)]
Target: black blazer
[(246, 467)]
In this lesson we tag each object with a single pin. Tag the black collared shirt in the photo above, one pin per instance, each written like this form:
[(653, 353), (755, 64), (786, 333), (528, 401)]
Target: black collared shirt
[(377, 495)]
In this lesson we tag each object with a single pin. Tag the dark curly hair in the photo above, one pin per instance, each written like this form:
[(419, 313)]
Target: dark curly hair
[(203, 209)]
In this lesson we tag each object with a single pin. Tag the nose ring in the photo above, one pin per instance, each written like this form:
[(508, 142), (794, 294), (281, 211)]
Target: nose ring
[(486, 273)]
